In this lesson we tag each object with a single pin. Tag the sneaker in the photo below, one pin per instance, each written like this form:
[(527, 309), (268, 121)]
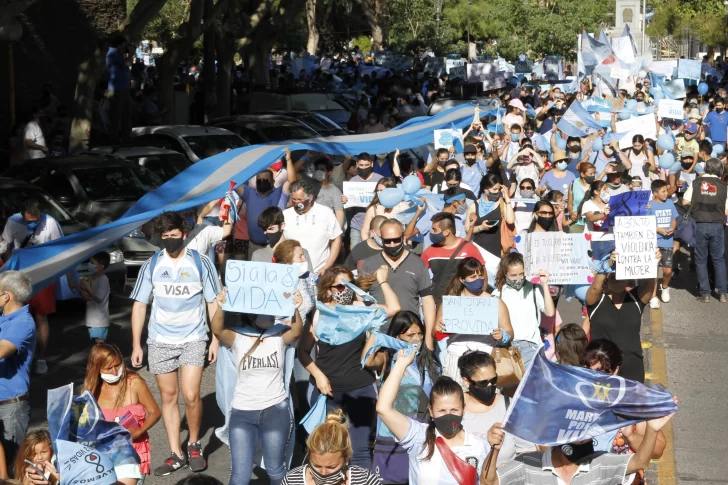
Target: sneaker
[(665, 295), (654, 303), (194, 455), (703, 298), (41, 367), (172, 464), (723, 298)]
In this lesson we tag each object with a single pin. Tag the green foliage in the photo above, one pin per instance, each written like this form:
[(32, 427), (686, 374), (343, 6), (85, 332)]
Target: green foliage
[(164, 27), (363, 41), (705, 18)]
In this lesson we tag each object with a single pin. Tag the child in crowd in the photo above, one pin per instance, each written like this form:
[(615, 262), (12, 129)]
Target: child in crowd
[(666, 215), (37, 448), (95, 290)]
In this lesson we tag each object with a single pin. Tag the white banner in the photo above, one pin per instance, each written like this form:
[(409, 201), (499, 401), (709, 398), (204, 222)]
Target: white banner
[(635, 239), (644, 125), (670, 108), (360, 194)]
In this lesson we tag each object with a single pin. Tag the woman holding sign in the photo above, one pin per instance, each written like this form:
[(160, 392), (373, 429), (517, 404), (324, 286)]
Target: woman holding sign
[(488, 215), (260, 411), (471, 280), (595, 209), (616, 314)]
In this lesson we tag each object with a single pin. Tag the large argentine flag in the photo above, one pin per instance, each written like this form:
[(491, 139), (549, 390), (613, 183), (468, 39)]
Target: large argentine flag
[(578, 122), (209, 179)]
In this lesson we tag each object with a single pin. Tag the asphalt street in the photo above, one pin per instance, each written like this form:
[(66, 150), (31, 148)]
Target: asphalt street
[(685, 346)]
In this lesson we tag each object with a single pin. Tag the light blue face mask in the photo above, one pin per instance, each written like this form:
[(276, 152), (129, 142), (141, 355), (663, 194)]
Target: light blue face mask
[(515, 136), (561, 165), (378, 240)]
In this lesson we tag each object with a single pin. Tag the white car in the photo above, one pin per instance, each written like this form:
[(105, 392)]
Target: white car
[(162, 162), (193, 141)]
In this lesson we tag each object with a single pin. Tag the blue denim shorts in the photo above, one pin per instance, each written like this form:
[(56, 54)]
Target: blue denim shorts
[(98, 333)]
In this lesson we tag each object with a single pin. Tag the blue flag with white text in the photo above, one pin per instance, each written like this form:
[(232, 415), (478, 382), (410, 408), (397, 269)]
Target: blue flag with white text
[(557, 404)]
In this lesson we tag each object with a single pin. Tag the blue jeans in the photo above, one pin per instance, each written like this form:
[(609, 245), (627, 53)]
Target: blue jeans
[(527, 350), (360, 407), (272, 426), (14, 419), (602, 248), (709, 242)]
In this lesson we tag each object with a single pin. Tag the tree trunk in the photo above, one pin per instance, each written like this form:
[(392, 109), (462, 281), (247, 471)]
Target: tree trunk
[(225, 56), (375, 11), (313, 33), (377, 37), (210, 84)]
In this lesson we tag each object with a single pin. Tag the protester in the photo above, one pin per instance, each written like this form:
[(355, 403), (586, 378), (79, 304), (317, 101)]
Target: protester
[(370, 246), (329, 195), (330, 457), (272, 222), (558, 178), (17, 343), (180, 280), (577, 195), (364, 173), (34, 145), (36, 447), (434, 172), (123, 397), (260, 410), (492, 216), (595, 209), (666, 217), (96, 291), (571, 340), (377, 209)]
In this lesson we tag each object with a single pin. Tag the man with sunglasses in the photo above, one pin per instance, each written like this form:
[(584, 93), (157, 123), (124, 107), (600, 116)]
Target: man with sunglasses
[(408, 276)]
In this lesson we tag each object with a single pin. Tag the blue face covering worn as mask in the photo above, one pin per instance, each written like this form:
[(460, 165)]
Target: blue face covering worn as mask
[(378, 240), (31, 224), (515, 136), (475, 287)]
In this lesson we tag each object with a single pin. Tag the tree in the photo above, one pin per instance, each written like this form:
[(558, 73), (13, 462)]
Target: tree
[(313, 33), (377, 12), (163, 28), (705, 18)]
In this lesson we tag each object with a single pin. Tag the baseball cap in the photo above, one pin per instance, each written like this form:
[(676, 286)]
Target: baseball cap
[(691, 127), (687, 153), (470, 148)]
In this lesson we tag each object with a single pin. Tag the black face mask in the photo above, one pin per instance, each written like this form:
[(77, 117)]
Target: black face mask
[(393, 251), (544, 222), (576, 453), (590, 179), (448, 424), (364, 172), (273, 237), (486, 395), (470, 161), (263, 186), (575, 148), (686, 165), (172, 244), (493, 196)]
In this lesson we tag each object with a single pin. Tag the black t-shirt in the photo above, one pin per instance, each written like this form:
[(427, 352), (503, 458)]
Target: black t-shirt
[(434, 180), (341, 364), (356, 257)]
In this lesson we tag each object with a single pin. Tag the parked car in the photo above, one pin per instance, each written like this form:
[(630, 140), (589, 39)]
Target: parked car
[(191, 140), (263, 128), (315, 121), (319, 103), (162, 162), (95, 190), (13, 193)]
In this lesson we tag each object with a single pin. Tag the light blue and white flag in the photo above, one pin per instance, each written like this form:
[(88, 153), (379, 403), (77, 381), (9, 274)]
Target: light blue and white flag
[(578, 122)]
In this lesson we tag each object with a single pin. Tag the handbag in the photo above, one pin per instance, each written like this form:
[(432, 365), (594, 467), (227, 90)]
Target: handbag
[(686, 228), (463, 472), (508, 365)]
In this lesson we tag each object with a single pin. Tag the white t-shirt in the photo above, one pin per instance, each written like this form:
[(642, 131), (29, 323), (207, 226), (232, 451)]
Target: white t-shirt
[(16, 231), (97, 313), (595, 228), (260, 377), (525, 319), (33, 132), (529, 171), (203, 237), (314, 230), (637, 170)]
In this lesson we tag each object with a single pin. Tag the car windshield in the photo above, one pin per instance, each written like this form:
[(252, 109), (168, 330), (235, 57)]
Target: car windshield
[(338, 116), (116, 183), (163, 166), (204, 143), (287, 132), (12, 199), (322, 126)]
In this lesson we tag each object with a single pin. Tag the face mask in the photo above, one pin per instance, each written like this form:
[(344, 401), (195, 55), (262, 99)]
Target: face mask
[(394, 251), (31, 225), (302, 207), (605, 196), (544, 222), (470, 161), (437, 239), (273, 237), (113, 378), (172, 244), (719, 110), (493, 196), (575, 155), (575, 149), (515, 136), (527, 194), (331, 479), (687, 165), (590, 179), (448, 424), (319, 175), (475, 287), (561, 165), (462, 209), (302, 269), (263, 186), (364, 172), (486, 395), (575, 453), (516, 284), (417, 344), (378, 240), (343, 297), (608, 153)]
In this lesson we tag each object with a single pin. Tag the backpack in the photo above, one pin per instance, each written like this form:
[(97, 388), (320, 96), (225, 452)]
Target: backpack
[(686, 226), (155, 258)]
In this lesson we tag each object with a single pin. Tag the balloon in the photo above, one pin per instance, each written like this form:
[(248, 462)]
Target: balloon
[(597, 144), (642, 74), (580, 292), (666, 142), (675, 167), (391, 197), (718, 149), (411, 184), (699, 168), (702, 89), (666, 160), (657, 96), (624, 114), (561, 143), (631, 105)]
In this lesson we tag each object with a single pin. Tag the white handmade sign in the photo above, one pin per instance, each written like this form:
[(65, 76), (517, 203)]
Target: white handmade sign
[(644, 125), (359, 194), (564, 256), (670, 108), (470, 315), (635, 240)]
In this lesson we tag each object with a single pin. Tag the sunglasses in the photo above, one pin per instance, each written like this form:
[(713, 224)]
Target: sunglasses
[(339, 287), (526, 188), (545, 214), (394, 240), (484, 383)]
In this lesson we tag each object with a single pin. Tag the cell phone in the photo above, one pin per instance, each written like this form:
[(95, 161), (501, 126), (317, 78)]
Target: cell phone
[(45, 474)]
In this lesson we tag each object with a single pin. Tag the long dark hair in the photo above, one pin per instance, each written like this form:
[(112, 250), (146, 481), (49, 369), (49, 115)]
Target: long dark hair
[(554, 227), (426, 360), (594, 188), (488, 181), (444, 386), (466, 267)]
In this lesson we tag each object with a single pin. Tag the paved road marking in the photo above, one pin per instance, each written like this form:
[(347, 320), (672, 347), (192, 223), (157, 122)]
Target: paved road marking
[(665, 465)]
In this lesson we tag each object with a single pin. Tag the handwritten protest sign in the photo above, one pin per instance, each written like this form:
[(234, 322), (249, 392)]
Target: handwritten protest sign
[(487, 73), (470, 315), (636, 245), (564, 256), (644, 125), (435, 65), (523, 67), (670, 108), (688, 69), (455, 68), (552, 67), (622, 47), (616, 103), (665, 68), (447, 138), (360, 194), (260, 288), (632, 203)]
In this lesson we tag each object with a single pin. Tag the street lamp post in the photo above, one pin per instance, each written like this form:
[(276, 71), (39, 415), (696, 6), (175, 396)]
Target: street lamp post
[(438, 11)]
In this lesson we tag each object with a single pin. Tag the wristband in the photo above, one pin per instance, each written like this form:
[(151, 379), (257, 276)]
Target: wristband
[(506, 337)]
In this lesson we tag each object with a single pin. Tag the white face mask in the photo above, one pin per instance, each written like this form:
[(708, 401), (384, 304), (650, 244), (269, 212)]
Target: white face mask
[(302, 268), (113, 378)]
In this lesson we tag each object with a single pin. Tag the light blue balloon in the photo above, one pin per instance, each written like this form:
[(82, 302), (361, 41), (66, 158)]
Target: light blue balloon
[(666, 160), (580, 292), (597, 144), (624, 115), (718, 149), (631, 105), (675, 167), (666, 142), (657, 96), (411, 184), (391, 197), (702, 89), (561, 143), (699, 168)]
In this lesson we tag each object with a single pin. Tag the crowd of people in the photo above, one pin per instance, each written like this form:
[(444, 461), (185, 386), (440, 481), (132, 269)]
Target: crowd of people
[(404, 401)]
